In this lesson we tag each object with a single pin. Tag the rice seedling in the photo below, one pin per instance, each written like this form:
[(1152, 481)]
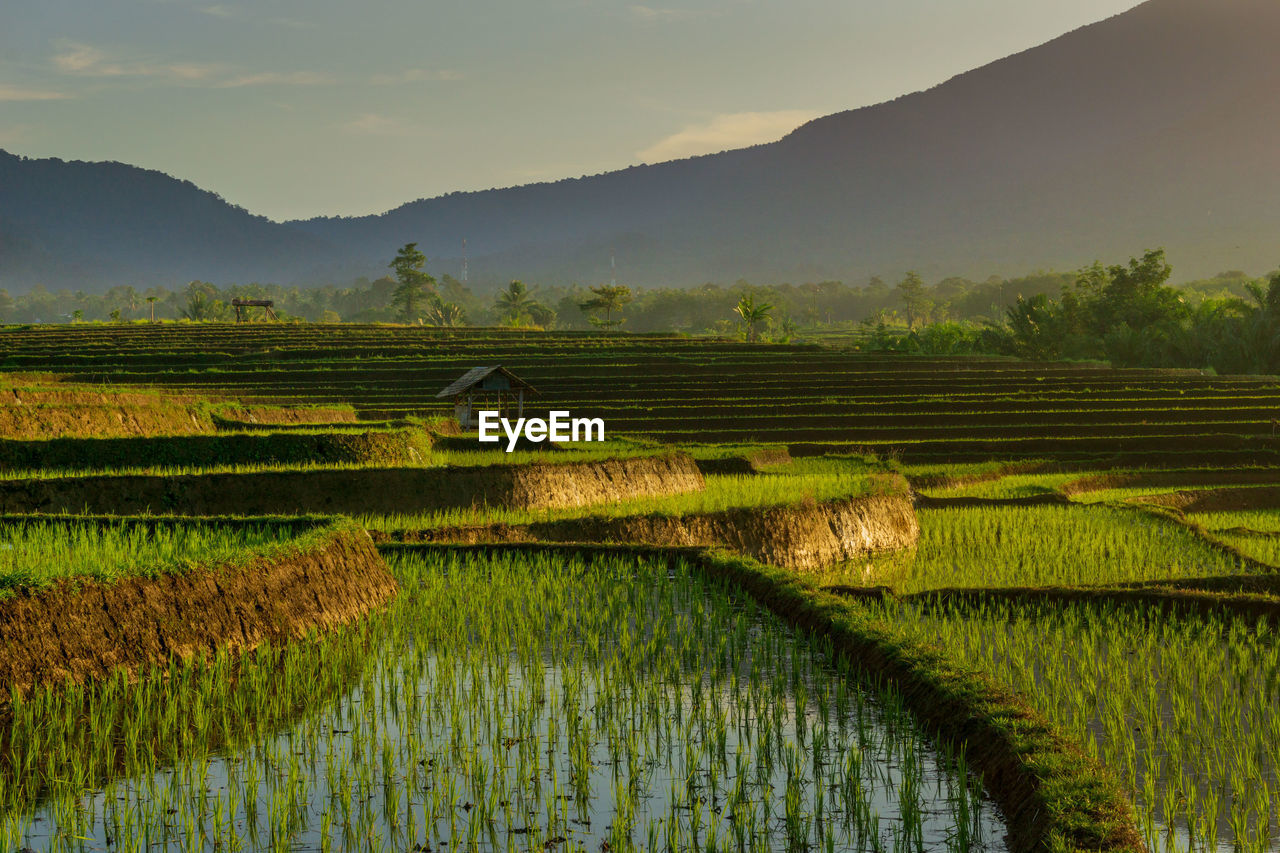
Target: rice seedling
[(1040, 546), (36, 554), (519, 701), (1182, 710), (1260, 520)]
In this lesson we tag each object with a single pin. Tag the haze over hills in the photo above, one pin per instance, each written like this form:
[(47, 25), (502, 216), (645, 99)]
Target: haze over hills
[(1154, 128)]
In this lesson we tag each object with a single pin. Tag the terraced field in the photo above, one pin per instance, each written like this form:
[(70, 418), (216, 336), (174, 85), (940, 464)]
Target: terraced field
[(1003, 606), (681, 390)]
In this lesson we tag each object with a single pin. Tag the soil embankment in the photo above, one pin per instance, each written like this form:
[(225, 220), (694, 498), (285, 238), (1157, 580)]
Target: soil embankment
[(751, 462), (81, 632), (85, 412), (1215, 500), (358, 491), (41, 406), (801, 536), (372, 447), (1172, 479)]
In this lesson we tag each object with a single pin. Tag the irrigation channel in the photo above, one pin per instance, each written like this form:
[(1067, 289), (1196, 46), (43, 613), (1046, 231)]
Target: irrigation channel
[(519, 701)]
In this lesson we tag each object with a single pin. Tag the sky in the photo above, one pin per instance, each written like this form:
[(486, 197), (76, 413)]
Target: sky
[(300, 108)]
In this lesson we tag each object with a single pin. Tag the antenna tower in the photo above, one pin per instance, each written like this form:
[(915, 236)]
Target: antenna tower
[(613, 268), (464, 260)]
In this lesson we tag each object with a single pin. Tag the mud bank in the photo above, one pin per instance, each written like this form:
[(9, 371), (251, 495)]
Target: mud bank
[(1215, 500), (1047, 499), (801, 537), (358, 491), (751, 462), (284, 415), (1172, 479), (42, 406), (372, 447), (86, 632)]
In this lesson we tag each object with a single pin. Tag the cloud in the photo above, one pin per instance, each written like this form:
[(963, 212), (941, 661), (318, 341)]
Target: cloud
[(276, 78), (726, 131), (219, 10), (88, 61), (659, 15), (84, 60), (414, 75), (25, 93), (375, 124)]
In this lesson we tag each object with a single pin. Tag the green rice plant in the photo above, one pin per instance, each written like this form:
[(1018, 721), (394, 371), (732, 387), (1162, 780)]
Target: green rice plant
[(37, 554), (1265, 548), (1260, 520), (1001, 546), (1181, 709), (510, 701)]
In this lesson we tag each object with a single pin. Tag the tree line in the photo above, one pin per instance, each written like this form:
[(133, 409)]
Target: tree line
[(1124, 313)]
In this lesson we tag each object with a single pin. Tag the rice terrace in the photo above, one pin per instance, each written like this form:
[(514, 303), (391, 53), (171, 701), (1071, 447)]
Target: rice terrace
[(613, 426), (259, 591)]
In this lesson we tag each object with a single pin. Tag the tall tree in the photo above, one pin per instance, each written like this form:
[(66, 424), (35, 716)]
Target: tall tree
[(413, 284), (608, 298), (914, 298), (754, 314)]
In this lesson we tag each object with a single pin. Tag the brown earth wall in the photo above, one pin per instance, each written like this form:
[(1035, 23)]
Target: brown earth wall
[(86, 632), (358, 491), (802, 537), (1215, 500)]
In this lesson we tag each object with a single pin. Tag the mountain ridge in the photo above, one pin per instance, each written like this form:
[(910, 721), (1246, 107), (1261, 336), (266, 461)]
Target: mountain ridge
[(1149, 128)]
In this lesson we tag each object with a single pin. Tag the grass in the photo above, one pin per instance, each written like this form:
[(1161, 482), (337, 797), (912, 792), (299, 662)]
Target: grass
[(1182, 709), (523, 701), (1039, 546), (1261, 520), (1265, 549), (36, 555)]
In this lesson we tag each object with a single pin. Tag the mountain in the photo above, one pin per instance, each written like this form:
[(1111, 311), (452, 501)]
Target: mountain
[(1154, 128), (89, 226)]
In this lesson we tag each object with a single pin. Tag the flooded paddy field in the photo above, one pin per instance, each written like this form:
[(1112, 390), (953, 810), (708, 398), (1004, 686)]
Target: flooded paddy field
[(522, 701)]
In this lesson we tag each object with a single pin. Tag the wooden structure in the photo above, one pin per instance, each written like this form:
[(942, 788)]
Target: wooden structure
[(242, 307), (492, 389)]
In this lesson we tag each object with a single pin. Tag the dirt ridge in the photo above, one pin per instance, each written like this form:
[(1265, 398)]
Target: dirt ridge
[(357, 491), (1215, 500), (87, 631), (806, 536)]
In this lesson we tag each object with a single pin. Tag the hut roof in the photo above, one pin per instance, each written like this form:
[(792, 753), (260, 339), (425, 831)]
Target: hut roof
[(477, 375)]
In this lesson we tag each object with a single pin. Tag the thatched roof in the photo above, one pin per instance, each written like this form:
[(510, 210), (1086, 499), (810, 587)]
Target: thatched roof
[(477, 375)]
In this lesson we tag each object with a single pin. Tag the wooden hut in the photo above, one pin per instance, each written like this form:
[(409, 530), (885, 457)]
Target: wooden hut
[(493, 389)]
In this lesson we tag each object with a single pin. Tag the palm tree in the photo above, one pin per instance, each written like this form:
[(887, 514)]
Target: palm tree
[(753, 315), (513, 305), (446, 314), (151, 300)]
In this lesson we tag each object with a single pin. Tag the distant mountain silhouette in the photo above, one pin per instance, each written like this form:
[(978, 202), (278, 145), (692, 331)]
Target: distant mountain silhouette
[(1158, 127)]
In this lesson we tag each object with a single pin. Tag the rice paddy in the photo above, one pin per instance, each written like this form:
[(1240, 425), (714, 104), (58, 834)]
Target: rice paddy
[(513, 702), (1182, 710), (532, 700), (36, 554), (1011, 546)]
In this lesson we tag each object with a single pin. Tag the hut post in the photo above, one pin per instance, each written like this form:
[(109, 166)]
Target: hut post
[(520, 405)]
